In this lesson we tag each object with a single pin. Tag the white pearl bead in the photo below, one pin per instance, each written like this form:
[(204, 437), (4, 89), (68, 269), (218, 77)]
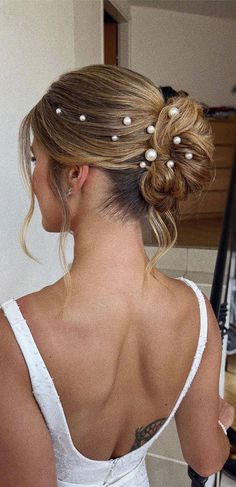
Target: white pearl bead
[(114, 138), (126, 121), (170, 164), (143, 164), (82, 118), (58, 110), (150, 129), (150, 155), (188, 156), (173, 111), (176, 140)]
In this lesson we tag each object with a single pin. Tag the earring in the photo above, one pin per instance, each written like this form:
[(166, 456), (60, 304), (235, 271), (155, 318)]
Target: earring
[(69, 192)]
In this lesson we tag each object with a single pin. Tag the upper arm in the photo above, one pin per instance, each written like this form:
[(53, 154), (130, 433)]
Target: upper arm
[(26, 451), (198, 414)]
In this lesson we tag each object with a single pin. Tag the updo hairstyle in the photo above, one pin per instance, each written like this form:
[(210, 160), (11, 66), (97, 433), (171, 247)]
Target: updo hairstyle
[(106, 94)]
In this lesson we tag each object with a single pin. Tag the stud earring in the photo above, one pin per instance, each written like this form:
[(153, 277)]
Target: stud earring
[(69, 192)]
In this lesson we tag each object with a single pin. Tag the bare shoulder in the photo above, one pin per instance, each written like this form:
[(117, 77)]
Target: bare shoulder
[(10, 353), (26, 453), (38, 304), (178, 292)]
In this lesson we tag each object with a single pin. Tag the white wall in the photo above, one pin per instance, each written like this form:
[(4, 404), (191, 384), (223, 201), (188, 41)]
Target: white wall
[(89, 36), (195, 53), (36, 45), (39, 40)]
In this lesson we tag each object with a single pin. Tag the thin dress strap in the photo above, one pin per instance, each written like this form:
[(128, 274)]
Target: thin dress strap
[(202, 340), (56, 421), (42, 383)]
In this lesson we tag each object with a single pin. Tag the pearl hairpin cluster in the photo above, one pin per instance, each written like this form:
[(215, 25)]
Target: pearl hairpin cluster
[(177, 140), (81, 117), (150, 154)]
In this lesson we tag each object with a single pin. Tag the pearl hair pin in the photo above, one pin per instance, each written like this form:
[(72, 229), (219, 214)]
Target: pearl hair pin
[(170, 164), (150, 129), (143, 164), (151, 155), (126, 121), (177, 140), (188, 156), (173, 111)]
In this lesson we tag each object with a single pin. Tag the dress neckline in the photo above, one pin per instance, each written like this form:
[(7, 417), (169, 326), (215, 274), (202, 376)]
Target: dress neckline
[(146, 445)]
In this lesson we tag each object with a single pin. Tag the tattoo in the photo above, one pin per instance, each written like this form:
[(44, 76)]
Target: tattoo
[(145, 433)]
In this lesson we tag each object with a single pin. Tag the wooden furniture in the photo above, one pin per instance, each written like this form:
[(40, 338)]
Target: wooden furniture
[(212, 202), (201, 219)]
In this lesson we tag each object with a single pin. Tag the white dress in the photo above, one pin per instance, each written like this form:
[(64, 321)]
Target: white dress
[(74, 469)]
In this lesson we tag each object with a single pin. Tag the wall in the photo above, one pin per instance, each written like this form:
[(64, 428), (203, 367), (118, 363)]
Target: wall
[(38, 42), (88, 34), (190, 52)]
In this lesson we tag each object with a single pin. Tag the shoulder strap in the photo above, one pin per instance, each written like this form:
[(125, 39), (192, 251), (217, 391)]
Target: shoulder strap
[(43, 387), (202, 340)]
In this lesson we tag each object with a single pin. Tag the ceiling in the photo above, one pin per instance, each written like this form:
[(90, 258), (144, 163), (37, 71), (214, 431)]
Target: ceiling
[(215, 8)]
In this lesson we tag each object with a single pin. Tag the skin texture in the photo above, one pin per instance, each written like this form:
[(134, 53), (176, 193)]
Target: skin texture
[(120, 355)]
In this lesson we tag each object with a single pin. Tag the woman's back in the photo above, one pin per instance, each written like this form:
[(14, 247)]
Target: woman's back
[(120, 360)]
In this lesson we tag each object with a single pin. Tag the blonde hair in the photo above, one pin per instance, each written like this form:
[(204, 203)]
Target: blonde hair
[(106, 94)]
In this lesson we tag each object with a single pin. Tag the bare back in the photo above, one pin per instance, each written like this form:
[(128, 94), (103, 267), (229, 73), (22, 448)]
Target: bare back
[(118, 363)]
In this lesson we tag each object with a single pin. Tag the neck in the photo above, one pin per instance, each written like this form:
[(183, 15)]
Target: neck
[(111, 249)]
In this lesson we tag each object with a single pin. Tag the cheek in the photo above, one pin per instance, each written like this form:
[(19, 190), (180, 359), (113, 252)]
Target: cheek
[(33, 181), (37, 181)]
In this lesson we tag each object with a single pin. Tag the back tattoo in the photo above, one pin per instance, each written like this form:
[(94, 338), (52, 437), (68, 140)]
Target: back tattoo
[(145, 433)]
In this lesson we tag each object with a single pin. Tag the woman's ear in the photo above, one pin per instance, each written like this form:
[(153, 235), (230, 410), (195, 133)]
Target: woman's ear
[(77, 176)]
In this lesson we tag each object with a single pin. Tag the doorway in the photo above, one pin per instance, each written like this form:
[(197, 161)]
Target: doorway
[(110, 39)]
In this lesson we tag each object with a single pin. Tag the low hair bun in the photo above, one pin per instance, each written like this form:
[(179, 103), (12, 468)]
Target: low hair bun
[(162, 186)]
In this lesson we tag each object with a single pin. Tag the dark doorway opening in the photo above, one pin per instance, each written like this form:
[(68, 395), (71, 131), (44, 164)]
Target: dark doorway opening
[(110, 39)]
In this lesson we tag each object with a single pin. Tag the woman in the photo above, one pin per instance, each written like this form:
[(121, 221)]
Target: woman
[(101, 360)]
